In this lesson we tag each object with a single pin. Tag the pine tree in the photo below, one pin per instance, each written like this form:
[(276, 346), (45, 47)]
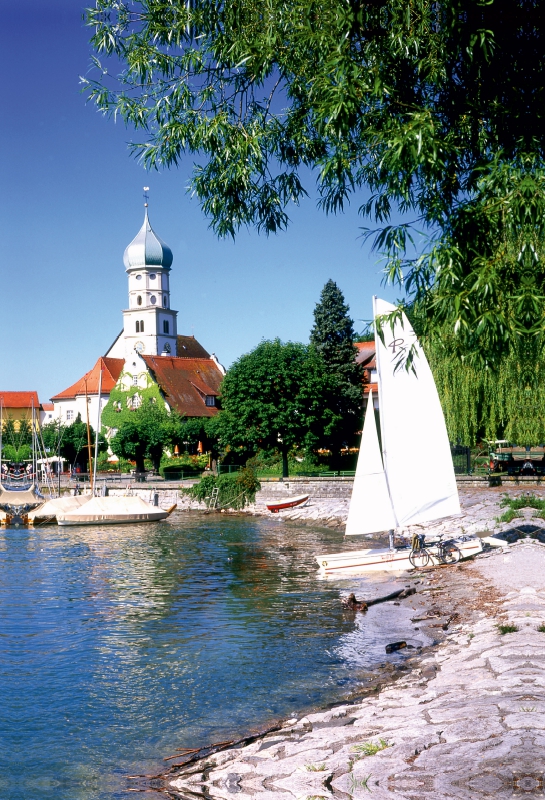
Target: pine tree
[(333, 337)]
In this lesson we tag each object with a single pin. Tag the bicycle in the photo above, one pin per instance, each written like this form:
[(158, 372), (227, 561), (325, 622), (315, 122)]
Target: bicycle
[(445, 552)]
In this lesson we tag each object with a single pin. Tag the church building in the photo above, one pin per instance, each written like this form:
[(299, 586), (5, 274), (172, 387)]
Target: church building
[(148, 357)]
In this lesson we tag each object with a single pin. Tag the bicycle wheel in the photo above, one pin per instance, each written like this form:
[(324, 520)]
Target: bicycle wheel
[(450, 554), (419, 558)]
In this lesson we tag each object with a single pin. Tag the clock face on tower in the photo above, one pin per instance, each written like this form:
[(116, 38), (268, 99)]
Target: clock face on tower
[(139, 347)]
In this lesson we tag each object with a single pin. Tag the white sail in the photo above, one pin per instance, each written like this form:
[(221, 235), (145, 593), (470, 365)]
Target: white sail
[(415, 444), (370, 506)]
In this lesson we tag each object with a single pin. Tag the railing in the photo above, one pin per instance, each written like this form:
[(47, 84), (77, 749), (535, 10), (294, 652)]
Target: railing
[(228, 468), (461, 459)]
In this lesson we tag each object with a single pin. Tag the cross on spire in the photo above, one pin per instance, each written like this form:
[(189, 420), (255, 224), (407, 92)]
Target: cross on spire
[(146, 196)]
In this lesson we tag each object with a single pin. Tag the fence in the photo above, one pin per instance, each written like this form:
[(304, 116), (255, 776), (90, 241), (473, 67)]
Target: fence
[(461, 459)]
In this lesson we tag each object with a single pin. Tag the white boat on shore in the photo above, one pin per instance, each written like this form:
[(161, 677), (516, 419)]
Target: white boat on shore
[(411, 482), (390, 560)]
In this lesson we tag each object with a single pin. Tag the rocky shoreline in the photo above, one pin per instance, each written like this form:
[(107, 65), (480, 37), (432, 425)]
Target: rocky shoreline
[(463, 718)]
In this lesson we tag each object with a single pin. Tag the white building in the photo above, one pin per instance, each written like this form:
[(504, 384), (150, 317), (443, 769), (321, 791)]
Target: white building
[(149, 346)]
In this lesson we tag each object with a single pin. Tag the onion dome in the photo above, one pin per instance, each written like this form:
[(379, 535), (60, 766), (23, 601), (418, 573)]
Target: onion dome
[(147, 250)]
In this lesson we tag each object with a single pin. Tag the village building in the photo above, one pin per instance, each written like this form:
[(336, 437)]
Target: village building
[(18, 406), (148, 352), (366, 356)]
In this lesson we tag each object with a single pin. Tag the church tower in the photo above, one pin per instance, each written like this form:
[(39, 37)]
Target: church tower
[(149, 323)]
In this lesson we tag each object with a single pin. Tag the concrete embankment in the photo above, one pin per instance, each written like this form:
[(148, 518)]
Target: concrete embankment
[(329, 499), (466, 721)]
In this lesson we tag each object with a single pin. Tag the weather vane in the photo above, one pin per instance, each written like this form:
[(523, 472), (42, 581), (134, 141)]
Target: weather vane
[(146, 196)]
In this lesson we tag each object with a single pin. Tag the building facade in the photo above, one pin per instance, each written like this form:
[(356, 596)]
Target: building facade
[(149, 350)]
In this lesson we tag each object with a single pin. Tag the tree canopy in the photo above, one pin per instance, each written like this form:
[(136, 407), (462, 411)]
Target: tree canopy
[(145, 434), (333, 337), (434, 110), (276, 397)]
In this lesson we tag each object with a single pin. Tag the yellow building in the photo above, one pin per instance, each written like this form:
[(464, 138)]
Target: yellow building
[(18, 406)]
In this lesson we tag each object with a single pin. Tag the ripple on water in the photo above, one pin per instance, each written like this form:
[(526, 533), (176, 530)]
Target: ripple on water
[(118, 645)]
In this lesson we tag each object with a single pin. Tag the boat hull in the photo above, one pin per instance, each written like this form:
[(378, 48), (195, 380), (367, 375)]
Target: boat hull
[(385, 560), (289, 502), (108, 519)]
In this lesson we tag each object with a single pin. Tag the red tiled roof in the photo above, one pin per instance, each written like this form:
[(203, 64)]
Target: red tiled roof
[(185, 382), (48, 406), (111, 367), (189, 347), (366, 354), (19, 399)]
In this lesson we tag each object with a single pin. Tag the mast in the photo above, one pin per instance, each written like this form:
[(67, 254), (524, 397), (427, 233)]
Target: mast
[(381, 408), (33, 439), (1, 433), (97, 430), (89, 451)]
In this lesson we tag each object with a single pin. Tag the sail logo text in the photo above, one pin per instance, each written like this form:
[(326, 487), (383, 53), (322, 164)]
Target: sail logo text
[(398, 346)]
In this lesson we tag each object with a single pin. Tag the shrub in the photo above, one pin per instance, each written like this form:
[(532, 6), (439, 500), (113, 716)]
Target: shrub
[(236, 489)]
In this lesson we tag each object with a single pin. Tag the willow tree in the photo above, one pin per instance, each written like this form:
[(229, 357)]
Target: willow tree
[(480, 402), (435, 110)]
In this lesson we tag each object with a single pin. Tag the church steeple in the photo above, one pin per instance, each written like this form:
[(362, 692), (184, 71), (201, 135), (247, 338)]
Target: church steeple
[(149, 322)]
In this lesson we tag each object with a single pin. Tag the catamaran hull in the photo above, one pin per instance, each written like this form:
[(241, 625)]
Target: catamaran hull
[(375, 560)]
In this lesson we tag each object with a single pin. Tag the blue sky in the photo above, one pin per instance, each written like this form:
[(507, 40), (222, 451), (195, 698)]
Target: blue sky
[(71, 200)]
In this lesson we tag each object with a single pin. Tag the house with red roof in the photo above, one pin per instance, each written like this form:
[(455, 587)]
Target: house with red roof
[(366, 356), (148, 351), (20, 406)]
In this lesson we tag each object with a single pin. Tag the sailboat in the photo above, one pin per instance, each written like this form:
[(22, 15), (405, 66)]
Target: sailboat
[(410, 480)]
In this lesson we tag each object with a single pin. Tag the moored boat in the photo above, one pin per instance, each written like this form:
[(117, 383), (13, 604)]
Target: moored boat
[(113, 510), (289, 502), (396, 485)]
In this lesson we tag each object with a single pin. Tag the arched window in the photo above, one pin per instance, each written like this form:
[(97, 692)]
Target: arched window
[(141, 326), (165, 305), (165, 326), (166, 348), (137, 327), (139, 300)]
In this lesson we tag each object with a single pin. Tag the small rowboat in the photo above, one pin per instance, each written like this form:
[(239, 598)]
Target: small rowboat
[(289, 502)]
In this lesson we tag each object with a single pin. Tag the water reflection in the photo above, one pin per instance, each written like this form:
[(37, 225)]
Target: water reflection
[(119, 645)]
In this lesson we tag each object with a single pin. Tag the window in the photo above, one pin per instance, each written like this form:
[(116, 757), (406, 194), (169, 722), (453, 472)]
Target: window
[(153, 299), (138, 277), (152, 276), (139, 300), (165, 303), (165, 326), (141, 326), (210, 400), (136, 401), (69, 415), (135, 380), (137, 327), (166, 348)]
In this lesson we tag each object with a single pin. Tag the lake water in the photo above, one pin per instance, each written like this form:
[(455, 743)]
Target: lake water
[(119, 645)]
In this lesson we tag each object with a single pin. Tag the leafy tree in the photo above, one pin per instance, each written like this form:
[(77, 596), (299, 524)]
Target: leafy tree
[(145, 435), (51, 433), (436, 110), (333, 337), (277, 396), (74, 443), (16, 439)]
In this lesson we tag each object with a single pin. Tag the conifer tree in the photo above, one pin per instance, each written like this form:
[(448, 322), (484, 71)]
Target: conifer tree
[(333, 337)]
